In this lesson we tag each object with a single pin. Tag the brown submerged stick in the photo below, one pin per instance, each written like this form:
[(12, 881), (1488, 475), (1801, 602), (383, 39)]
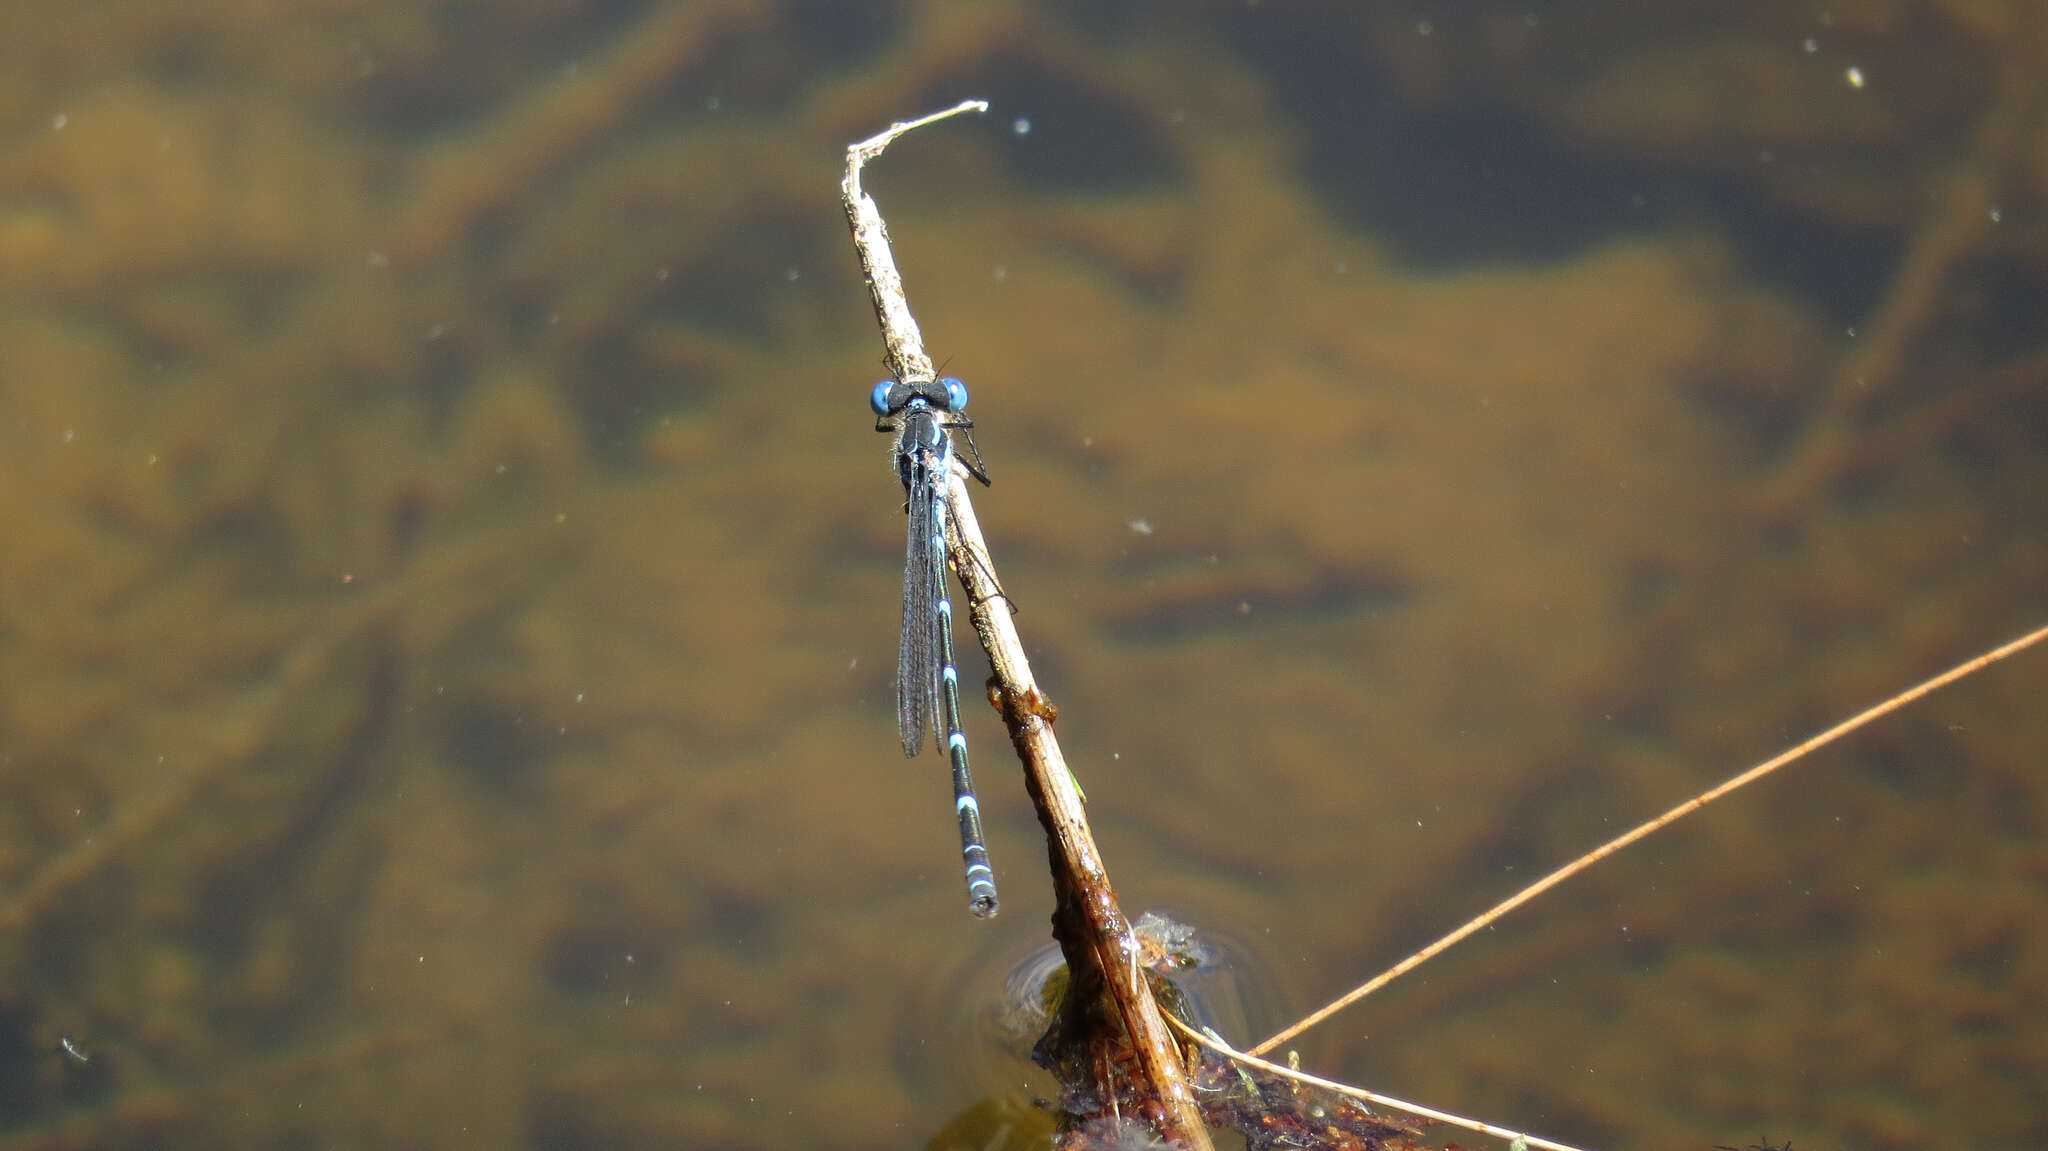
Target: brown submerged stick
[(1108, 983), (1955, 229), (469, 178)]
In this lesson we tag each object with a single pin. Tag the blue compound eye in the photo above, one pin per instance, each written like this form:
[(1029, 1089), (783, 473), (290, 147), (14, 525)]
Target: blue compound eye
[(956, 393), (879, 398)]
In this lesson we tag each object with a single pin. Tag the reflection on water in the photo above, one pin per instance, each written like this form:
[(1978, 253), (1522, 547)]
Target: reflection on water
[(449, 579), (1217, 983)]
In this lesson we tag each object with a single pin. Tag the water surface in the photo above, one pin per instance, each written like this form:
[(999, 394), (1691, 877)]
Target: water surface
[(449, 586)]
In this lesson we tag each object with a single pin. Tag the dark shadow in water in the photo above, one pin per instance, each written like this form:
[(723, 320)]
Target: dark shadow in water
[(1476, 181)]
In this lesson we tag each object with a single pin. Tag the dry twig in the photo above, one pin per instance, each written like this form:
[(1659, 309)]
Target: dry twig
[(1101, 950)]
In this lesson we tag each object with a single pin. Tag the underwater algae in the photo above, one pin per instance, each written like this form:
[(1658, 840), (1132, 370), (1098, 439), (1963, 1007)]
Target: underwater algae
[(415, 733)]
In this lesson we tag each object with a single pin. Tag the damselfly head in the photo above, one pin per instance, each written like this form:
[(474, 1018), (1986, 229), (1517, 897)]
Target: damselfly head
[(946, 394)]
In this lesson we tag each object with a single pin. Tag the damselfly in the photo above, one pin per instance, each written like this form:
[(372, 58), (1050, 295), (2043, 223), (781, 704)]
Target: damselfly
[(923, 414)]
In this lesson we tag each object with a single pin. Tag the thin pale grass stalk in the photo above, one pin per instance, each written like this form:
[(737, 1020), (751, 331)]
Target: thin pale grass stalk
[(1544, 884), (1359, 1093)]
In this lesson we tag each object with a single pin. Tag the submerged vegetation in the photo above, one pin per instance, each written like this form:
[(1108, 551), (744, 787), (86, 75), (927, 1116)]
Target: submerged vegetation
[(448, 582)]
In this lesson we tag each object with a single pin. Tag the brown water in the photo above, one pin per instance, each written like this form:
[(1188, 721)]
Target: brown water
[(449, 582)]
